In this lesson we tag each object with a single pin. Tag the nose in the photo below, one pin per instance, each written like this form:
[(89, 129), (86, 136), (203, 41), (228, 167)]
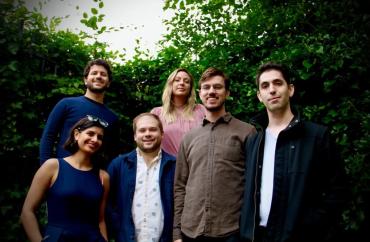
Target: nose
[(147, 133), (272, 89), (212, 89), (99, 75), (94, 138)]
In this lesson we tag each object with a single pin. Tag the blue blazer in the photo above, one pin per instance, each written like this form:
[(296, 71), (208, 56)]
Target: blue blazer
[(122, 172)]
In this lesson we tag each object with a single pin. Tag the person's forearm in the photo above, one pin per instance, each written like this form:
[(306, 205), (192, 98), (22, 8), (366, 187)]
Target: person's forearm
[(31, 226), (103, 230)]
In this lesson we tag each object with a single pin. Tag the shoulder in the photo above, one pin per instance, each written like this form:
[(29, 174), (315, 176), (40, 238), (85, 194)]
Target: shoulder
[(66, 101), (49, 168), (104, 175), (51, 164), (72, 99), (156, 110), (314, 128), (168, 157), (200, 110), (168, 161), (241, 124), (123, 157)]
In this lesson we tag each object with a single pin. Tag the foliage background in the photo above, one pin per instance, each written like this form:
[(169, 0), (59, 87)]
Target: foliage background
[(325, 43)]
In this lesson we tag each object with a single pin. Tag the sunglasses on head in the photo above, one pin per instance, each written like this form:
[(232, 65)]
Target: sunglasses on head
[(102, 122)]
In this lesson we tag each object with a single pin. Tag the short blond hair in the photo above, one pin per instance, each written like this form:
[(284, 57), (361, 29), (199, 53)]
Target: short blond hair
[(134, 122)]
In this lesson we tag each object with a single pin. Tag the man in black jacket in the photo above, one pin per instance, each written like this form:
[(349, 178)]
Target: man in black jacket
[(292, 192)]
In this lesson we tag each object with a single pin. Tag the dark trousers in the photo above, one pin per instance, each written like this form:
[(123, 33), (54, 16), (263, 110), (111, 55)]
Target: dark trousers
[(234, 237)]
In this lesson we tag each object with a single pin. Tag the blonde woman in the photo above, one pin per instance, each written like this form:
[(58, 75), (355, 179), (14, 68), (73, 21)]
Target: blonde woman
[(179, 112)]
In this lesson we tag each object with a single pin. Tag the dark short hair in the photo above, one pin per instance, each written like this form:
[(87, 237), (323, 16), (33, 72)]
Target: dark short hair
[(98, 62), (84, 123), (211, 72), (273, 66), (150, 115)]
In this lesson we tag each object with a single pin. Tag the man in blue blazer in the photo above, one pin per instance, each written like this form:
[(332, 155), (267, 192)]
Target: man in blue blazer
[(140, 206)]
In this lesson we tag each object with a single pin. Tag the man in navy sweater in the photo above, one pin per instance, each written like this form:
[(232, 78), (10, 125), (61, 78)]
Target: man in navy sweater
[(97, 78)]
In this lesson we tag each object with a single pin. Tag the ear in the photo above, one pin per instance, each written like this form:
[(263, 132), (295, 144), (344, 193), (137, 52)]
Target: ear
[(291, 90), (227, 93), (76, 134), (85, 81)]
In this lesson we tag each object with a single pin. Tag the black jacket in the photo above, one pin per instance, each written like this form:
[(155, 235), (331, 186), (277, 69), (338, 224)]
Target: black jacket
[(306, 193)]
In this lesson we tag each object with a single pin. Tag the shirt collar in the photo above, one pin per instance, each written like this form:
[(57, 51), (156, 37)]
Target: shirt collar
[(223, 119), (154, 161)]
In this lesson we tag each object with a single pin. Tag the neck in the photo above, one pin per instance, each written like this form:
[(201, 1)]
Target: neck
[(149, 156), (214, 115), (279, 120), (80, 160), (97, 97), (178, 101)]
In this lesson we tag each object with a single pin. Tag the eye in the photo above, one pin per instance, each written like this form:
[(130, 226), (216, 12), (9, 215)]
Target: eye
[(141, 130), (205, 87), (218, 87), (264, 85)]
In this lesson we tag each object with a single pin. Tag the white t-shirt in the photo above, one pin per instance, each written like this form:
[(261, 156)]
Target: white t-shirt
[(267, 179)]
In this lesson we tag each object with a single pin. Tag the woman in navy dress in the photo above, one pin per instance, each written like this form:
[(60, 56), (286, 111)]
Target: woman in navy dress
[(75, 190)]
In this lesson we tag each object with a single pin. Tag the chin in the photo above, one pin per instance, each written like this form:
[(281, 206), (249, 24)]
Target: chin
[(213, 108)]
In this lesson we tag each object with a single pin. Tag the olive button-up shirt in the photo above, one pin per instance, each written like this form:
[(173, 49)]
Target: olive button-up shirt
[(209, 178)]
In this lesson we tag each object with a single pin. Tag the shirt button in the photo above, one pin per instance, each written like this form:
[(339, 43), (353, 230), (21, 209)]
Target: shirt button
[(260, 167)]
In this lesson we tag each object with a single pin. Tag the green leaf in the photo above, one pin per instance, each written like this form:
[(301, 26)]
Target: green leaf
[(13, 48), (94, 11), (13, 65), (307, 64), (101, 5), (85, 15), (320, 50)]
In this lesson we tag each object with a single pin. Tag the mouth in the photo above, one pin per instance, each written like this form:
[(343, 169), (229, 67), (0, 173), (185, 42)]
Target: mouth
[(211, 99), (273, 99), (93, 146)]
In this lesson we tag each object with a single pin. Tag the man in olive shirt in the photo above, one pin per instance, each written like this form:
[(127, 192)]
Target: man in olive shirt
[(209, 176)]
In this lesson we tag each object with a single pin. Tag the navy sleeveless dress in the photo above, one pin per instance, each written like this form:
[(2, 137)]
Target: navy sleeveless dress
[(73, 203)]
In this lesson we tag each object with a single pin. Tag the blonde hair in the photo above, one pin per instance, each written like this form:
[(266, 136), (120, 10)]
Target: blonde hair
[(168, 107)]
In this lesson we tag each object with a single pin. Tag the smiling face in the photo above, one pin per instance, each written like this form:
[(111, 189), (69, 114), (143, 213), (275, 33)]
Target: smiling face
[(213, 93), (97, 81), (89, 140), (274, 92), (181, 84), (148, 135)]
